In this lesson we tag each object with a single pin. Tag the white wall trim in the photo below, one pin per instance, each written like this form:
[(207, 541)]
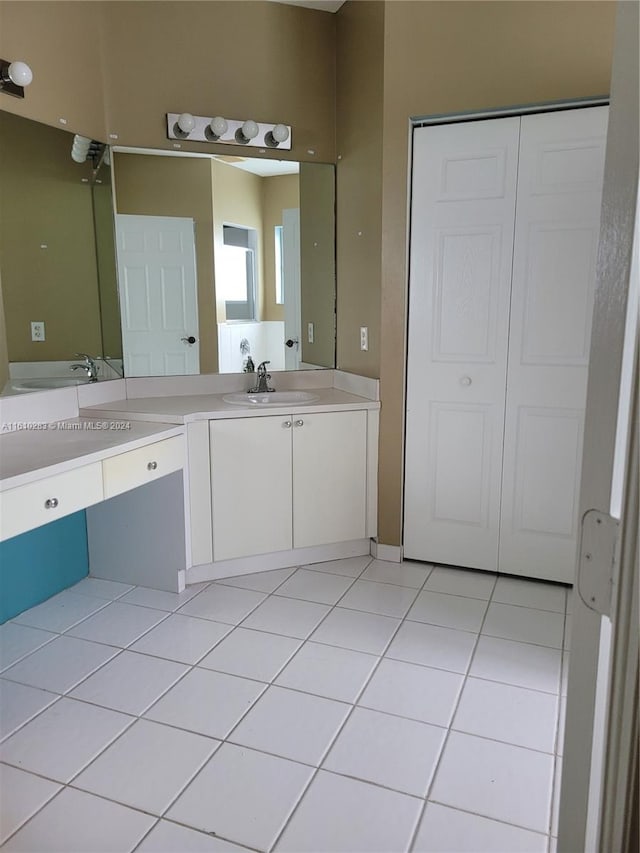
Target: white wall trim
[(277, 560), (389, 553)]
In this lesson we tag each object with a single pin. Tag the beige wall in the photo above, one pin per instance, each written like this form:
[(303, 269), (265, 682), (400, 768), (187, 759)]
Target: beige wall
[(279, 192), (46, 244), (4, 353), (61, 41), (237, 199), (317, 263), (147, 185), (448, 57), (359, 115), (259, 60), (106, 261)]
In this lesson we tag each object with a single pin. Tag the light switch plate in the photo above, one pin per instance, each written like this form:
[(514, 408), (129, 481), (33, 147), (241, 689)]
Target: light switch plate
[(364, 338), (310, 332)]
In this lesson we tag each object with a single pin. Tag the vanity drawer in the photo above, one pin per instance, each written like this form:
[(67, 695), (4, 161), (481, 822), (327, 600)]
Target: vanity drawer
[(137, 467), (30, 506)]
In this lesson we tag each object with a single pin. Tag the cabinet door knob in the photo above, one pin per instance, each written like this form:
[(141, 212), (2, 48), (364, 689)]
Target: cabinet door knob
[(466, 381), (286, 424), (51, 503), (300, 422), (151, 466)]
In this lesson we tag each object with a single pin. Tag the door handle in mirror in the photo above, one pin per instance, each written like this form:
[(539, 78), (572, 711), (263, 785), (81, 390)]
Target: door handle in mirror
[(189, 340)]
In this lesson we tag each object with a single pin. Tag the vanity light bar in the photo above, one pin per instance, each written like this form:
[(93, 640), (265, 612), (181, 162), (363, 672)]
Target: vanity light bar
[(237, 131)]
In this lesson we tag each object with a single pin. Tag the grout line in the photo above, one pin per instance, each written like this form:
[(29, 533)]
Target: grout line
[(301, 641), (339, 731), (445, 741), (486, 817)]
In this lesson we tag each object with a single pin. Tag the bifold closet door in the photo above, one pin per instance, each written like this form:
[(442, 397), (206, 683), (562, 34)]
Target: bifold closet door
[(560, 177), (463, 209)]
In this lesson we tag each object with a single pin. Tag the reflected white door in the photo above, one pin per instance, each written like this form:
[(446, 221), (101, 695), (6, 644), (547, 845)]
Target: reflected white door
[(157, 286), (291, 286), (560, 175), (463, 209)]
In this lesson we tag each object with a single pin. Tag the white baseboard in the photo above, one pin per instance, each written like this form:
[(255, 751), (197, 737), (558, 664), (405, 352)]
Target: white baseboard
[(389, 553), (278, 560)]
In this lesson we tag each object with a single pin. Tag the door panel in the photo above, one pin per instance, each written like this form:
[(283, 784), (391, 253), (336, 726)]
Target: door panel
[(554, 269), (329, 478), (463, 212), (250, 486), (158, 295), (466, 295)]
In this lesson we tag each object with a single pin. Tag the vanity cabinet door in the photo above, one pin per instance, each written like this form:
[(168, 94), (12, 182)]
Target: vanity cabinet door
[(329, 478), (250, 486)]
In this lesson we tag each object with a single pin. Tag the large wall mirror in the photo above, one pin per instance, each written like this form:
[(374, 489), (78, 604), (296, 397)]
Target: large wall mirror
[(210, 264)]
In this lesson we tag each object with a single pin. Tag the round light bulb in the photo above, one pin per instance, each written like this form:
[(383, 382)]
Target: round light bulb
[(20, 73), (250, 129), (280, 132), (186, 122), (78, 156), (218, 126)]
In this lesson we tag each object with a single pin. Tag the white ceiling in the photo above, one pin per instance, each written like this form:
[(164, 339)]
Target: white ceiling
[(264, 168), (323, 5)]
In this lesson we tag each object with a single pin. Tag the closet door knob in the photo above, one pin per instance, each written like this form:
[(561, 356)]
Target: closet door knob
[(286, 424), (300, 422), (51, 503), (466, 381), (151, 466)]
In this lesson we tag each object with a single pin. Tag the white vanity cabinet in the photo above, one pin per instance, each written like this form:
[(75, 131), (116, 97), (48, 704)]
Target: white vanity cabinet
[(282, 482)]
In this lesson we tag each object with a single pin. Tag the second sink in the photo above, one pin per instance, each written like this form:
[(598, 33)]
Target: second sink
[(274, 398)]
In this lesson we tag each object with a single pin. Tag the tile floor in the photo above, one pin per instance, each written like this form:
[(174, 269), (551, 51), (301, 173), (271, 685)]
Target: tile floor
[(345, 707)]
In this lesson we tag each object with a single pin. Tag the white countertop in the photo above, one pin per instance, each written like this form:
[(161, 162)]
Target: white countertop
[(185, 409), (42, 450)]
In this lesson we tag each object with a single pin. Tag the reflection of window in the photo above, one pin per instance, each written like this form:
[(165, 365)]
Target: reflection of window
[(279, 268), (236, 274)]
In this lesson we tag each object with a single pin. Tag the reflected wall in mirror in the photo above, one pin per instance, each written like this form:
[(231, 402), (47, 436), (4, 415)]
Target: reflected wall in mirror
[(49, 270), (264, 245)]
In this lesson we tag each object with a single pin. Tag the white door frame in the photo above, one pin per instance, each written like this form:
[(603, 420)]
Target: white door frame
[(600, 747), (291, 286)]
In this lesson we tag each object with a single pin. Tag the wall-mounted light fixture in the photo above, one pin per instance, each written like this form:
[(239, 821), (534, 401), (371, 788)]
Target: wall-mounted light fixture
[(84, 149), (228, 131), (14, 76)]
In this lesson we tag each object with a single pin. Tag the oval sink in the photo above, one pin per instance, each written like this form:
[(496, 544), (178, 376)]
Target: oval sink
[(41, 383), (274, 398)]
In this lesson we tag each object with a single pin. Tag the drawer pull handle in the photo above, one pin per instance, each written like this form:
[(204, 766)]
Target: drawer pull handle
[(151, 466), (300, 422), (466, 381), (51, 503), (286, 424)]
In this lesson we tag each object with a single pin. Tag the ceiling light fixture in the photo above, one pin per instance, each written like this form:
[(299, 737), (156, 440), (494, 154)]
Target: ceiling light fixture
[(14, 76)]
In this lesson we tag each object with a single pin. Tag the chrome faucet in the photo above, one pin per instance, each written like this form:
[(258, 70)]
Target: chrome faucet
[(89, 365), (262, 380)]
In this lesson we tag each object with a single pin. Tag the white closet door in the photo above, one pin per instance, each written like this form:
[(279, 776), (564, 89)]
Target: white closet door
[(557, 227), (463, 208)]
